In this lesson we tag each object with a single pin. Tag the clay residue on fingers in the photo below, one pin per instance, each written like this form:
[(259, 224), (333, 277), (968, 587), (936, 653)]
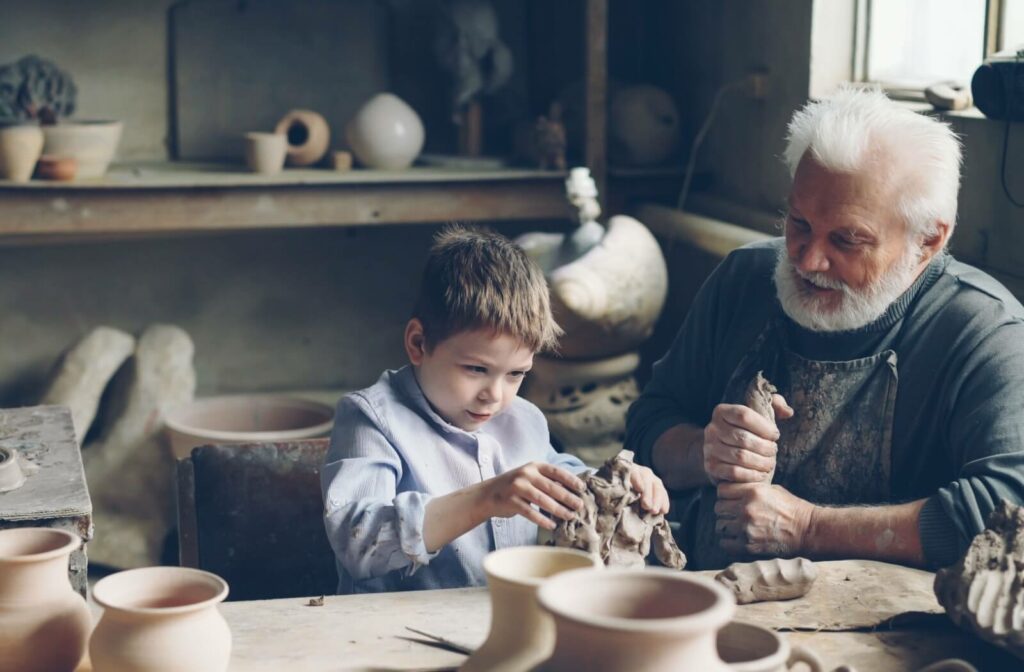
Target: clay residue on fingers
[(613, 524), (769, 580)]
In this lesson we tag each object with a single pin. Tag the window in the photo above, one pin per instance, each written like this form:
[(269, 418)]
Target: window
[(909, 44)]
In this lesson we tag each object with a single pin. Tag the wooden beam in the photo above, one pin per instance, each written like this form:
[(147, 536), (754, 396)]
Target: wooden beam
[(596, 95)]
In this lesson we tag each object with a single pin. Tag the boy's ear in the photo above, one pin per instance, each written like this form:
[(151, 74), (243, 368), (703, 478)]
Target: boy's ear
[(415, 341)]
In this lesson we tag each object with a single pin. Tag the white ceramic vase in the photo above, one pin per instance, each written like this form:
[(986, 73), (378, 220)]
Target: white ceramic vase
[(385, 133), (20, 148), (92, 144), (160, 619), (637, 620), (44, 623), (521, 634)]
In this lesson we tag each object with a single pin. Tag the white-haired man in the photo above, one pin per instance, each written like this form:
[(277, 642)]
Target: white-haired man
[(900, 370)]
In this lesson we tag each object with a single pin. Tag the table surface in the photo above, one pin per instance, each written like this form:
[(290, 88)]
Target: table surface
[(368, 632)]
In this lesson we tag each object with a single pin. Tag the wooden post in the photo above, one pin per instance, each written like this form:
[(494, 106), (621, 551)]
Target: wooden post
[(471, 130), (596, 94)]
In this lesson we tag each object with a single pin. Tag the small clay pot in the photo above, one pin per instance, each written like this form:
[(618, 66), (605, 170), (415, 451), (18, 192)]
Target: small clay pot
[(745, 647), (58, 168), (20, 147), (265, 152), (308, 136), (44, 623), (635, 620), (521, 634), (160, 619), (93, 144)]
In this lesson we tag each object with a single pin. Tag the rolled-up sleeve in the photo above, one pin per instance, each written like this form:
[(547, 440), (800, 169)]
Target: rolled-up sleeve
[(986, 438), (373, 530)]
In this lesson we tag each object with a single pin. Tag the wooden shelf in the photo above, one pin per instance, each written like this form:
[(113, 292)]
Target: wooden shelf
[(163, 198)]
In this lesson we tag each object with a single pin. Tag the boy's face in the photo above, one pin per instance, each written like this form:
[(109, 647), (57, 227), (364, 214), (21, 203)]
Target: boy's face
[(470, 376)]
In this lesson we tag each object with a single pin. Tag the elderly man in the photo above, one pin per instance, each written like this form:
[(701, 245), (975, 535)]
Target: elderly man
[(900, 371)]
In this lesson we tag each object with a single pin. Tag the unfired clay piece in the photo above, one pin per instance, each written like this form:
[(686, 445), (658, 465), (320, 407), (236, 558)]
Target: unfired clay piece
[(612, 523), (83, 374), (759, 396), (984, 592), (769, 580)]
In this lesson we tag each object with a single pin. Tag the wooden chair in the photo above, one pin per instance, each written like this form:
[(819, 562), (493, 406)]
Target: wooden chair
[(253, 514)]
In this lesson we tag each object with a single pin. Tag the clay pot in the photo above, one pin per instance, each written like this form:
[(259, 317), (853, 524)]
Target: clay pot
[(92, 144), (308, 136), (751, 648), (640, 620), (20, 147), (385, 133), (246, 418), (643, 126), (11, 475), (160, 619), (521, 635), (44, 623), (608, 300), (265, 152)]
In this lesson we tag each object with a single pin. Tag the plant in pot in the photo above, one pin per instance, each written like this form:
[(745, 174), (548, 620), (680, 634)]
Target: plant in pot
[(34, 92)]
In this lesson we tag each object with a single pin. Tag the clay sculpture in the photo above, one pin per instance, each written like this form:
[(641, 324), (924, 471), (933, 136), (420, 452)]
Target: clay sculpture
[(769, 580), (759, 397), (612, 523), (984, 592)]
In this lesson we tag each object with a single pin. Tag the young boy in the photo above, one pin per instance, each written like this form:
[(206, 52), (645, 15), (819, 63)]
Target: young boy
[(440, 462)]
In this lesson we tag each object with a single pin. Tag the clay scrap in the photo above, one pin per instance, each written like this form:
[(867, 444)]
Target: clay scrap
[(984, 592), (769, 580), (613, 525), (759, 396)]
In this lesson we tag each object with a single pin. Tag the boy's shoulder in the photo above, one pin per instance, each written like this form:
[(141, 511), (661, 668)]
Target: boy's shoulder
[(383, 402)]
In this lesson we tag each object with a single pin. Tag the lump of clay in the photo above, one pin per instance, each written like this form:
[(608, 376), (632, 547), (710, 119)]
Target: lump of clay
[(769, 580), (759, 396), (984, 592), (613, 524)]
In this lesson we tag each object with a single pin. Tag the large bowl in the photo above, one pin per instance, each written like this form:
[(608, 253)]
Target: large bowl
[(248, 418), (91, 144)]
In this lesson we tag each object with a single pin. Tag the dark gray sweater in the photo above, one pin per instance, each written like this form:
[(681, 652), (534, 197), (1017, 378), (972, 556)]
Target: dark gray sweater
[(958, 435)]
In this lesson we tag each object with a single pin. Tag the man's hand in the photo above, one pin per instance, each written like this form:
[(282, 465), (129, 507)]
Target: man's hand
[(759, 519), (654, 497), (739, 443), (549, 487)]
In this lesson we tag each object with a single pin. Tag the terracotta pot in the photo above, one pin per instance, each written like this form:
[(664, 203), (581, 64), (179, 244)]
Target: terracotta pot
[(20, 147), (44, 623), (385, 133), (521, 635), (247, 418), (308, 136), (160, 619), (92, 144), (265, 152), (751, 648), (641, 620)]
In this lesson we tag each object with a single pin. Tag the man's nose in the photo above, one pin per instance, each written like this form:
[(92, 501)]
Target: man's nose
[(812, 258)]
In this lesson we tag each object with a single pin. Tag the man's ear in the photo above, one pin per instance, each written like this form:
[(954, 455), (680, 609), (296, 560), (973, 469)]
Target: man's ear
[(415, 341), (933, 244)]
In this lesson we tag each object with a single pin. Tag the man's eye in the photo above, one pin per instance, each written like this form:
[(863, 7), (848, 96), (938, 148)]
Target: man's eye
[(799, 224)]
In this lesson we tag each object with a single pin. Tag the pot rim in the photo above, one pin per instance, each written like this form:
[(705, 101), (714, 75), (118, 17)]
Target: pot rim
[(494, 574), (70, 545), (717, 615), (106, 583), (71, 123), (173, 423)]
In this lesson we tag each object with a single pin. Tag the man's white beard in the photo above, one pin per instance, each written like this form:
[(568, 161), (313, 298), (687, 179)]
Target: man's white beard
[(856, 308)]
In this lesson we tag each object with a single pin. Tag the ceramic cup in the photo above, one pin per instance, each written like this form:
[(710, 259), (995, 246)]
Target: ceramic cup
[(521, 634), (11, 475), (20, 147), (44, 623), (635, 620), (265, 152), (160, 619), (750, 648)]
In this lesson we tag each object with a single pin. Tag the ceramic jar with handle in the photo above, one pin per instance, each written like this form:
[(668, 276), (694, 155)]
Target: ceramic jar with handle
[(160, 619), (44, 623)]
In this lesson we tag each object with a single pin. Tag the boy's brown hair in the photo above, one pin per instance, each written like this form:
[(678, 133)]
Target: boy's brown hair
[(478, 279)]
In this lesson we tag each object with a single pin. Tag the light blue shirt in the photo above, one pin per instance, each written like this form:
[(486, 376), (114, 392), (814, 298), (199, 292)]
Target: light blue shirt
[(390, 453)]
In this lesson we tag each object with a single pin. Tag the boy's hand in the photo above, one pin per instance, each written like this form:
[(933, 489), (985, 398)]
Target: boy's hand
[(653, 495), (549, 487)]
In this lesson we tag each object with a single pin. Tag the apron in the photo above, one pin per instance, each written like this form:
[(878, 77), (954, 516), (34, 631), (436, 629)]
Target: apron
[(836, 449)]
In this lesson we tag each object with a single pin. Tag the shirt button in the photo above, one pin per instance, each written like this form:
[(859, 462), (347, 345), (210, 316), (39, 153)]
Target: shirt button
[(485, 460)]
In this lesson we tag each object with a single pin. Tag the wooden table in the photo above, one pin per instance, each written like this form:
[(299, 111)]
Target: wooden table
[(367, 632)]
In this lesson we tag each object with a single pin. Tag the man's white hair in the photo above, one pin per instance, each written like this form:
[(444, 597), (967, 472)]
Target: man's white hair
[(860, 130)]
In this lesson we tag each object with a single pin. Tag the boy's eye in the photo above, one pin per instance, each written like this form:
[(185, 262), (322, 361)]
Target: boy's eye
[(475, 369), (517, 374)]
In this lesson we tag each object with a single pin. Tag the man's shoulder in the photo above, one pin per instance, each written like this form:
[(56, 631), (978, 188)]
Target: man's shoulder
[(975, 285)]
